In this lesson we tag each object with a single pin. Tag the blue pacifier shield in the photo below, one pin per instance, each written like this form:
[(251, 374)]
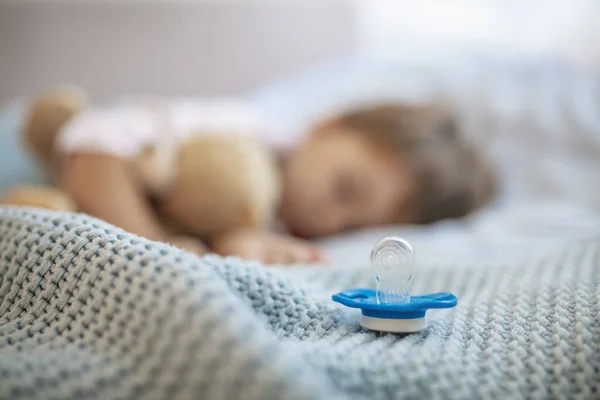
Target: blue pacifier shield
[(366, 300)]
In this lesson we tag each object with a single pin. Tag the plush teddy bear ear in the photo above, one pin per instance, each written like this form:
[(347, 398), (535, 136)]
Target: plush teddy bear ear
[(47, 114)]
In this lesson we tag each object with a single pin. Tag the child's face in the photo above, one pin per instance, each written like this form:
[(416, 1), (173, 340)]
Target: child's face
[(337, 180)]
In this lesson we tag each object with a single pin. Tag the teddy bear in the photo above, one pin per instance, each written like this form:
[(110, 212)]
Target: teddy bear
[(211, 183)]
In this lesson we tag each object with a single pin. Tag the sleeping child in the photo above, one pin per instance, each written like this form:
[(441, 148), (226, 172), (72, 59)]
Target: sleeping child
[(367, 166)]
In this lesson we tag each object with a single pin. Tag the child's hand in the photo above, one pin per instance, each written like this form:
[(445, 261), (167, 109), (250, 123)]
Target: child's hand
[(268, 248), (189, 244)]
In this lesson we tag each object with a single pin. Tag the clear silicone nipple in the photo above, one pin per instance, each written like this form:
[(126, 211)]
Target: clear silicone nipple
[(392, 260)]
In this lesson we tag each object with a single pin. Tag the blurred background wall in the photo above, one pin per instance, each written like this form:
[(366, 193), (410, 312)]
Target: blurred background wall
[(179, 47), (204, 47)]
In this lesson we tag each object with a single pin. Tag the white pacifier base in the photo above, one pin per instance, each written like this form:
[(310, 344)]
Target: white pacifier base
[(393, 325)]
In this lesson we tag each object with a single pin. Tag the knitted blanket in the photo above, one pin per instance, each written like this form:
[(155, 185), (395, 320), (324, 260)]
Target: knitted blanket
[(89, 311)]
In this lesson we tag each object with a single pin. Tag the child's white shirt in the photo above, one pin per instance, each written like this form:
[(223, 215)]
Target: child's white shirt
[(125, 130)]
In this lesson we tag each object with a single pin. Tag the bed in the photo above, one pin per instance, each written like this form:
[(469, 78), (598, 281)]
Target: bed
[(89, 311)]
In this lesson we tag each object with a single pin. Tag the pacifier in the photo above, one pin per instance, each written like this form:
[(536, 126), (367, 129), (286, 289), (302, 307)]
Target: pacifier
[(390, 307)]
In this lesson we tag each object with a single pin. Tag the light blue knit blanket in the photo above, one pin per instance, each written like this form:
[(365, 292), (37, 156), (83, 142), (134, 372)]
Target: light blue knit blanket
[(89, 311)]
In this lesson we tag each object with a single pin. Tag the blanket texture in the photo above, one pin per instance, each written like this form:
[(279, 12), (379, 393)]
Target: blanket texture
[(89, 311)]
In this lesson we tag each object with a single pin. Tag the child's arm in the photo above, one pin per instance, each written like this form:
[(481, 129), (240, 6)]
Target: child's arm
[(106, 187)]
